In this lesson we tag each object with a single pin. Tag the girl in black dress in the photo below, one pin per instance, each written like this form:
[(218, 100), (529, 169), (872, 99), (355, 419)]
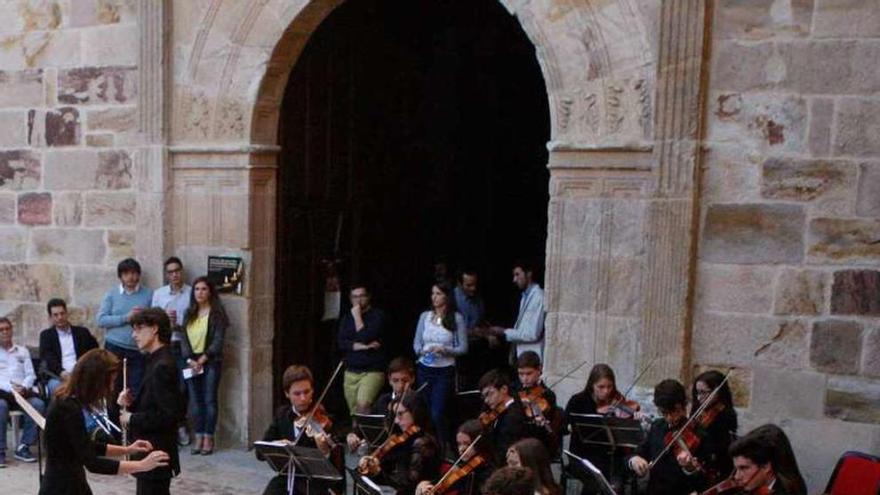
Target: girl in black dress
[(69, 448)]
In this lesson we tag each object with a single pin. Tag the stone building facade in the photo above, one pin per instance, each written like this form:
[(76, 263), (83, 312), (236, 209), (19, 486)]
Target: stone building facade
[(715, 184)]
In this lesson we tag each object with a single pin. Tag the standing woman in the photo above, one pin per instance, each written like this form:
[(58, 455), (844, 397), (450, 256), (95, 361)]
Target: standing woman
[(441, 335), (69, 448), (202, 347)]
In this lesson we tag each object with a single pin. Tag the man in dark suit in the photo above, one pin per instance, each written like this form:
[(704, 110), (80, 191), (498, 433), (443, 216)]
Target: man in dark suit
[(159, 405), (509, 423), (61, 345)]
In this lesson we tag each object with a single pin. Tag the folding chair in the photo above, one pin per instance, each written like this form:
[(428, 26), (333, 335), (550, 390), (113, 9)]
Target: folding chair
[(855, 474)]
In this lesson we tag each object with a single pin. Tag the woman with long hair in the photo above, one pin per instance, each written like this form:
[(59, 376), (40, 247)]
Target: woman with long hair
[(205, 326), (719, 423), (441, 335), (69, 449), (531, 453)]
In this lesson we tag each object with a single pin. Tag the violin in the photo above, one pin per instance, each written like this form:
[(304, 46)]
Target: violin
[(369, 464), (726, 487), (456, 474), (618, 407), (688, 438), (488, 417), (534, 403), (316, 424)]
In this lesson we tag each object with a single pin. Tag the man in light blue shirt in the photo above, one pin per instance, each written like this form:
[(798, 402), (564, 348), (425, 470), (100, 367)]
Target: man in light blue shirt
[(119, 305), (527, 333)]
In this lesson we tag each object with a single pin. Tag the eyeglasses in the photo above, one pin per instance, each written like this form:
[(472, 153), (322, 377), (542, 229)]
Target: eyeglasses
[(176, 270)]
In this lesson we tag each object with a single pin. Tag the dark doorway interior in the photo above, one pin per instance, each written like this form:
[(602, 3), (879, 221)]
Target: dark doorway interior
[(410, 130)]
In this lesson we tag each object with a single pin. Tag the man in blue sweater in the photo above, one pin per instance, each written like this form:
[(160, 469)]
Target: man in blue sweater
[(361, 337), (118, 307)]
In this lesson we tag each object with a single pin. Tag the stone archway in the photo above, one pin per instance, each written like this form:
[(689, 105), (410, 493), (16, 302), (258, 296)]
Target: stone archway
[(621, 172)]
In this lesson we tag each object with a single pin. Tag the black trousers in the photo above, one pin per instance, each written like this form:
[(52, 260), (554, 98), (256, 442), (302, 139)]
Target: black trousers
[(153, 486)]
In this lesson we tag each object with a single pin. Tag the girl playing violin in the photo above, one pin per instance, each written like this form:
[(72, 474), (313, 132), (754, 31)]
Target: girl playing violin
[(600, 396), (473, 468), (719, 423), (289, 424), (407, 457)]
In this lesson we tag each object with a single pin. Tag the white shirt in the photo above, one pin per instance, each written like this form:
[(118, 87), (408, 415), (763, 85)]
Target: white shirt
[(16, 367), (164, 298), (437, 334), (68, 351)]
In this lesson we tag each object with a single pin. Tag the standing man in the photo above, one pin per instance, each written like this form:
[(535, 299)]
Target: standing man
[(157, 408), (118, 307), (174, 300), (361, 335), (16, 373), (467, 300), (527, 333), (62, 344)]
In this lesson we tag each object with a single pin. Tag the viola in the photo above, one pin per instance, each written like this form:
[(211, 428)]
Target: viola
[(618, 407), (455, 474), (369, 464)]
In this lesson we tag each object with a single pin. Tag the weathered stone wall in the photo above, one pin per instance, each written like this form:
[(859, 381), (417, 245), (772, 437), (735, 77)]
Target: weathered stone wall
[(787, 281), (69, 167)]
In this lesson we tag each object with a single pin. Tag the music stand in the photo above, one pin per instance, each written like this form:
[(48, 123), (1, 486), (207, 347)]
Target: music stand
[(608, 431), (40, 421), (372, 428), (363, 485), (297, 462), (591, 475)]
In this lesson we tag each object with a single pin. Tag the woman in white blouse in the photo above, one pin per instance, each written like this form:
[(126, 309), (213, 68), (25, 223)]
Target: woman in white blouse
[(441, 335)]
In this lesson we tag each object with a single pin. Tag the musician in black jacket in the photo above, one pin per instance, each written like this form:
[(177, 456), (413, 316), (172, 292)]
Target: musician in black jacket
[(69, 449), (159, 405), (504, 421), (61, 345)]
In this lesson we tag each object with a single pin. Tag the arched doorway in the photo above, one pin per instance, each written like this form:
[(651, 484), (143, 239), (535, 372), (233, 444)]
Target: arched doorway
[(409, 131)]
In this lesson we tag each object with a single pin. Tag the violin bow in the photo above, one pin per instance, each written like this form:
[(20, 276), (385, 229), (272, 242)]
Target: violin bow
[(455, 464), (690, 420), (571, 372), (318, 403)]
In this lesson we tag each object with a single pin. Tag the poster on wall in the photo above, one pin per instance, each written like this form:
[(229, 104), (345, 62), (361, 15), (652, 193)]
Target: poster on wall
[(226, 273)]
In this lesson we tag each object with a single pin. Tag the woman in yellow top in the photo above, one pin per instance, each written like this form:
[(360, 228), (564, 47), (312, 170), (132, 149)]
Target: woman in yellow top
[(202, 347)]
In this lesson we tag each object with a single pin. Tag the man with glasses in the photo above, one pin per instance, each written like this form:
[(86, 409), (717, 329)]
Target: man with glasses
[(17, 373), (504, 421), (361, 337), (174, 299)]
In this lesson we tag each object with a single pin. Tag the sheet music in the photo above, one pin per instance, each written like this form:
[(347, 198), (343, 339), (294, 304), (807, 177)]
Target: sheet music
[(597, 474), (273, 443), (29, 410)]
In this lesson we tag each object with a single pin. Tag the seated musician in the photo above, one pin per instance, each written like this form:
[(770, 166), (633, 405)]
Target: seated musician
[(600, 396), (510, 481), (504, 422), (539, 402), (289, 424), (721, 431), (401, 374), (473, 468), (531, 453), (407, 457), (764, 463), (673, 472)]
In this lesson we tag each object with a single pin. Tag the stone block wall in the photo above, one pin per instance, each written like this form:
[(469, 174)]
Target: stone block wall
[(68, 160), (788, 287)]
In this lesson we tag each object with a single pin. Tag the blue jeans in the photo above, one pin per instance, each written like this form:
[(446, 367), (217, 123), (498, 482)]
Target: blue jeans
[(203, 399), (52, 386), (438, 390), (29, 434)]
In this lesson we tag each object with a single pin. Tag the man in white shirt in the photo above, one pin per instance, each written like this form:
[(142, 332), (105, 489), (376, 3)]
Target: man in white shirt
[(174, 299), (527, 333), (17, 373)]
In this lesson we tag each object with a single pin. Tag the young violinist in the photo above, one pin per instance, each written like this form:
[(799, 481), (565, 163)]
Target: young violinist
[(290, 424), (764, 463), (531, 453), (668, 476), (539, 402), (504, 421), (720, 430), (600, 396), (510, 481), (407, 457), (401, 375), (473, 468)]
